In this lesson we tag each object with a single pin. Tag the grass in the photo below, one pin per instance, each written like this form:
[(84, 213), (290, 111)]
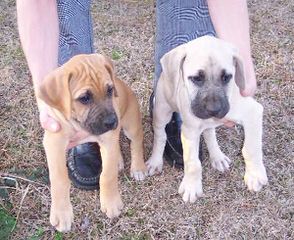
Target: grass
[(124, 30), (38, 234), (7, 223), (135, 237), (116, 55), (58, 236)]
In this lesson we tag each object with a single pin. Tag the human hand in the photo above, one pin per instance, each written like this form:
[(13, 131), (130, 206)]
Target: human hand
[(250, 81), (52, 125), (250, 77), (228, 123), (250, 86), (48, 122)]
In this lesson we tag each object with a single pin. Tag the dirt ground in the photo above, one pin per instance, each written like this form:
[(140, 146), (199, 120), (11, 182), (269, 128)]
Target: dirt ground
[(153, 209)]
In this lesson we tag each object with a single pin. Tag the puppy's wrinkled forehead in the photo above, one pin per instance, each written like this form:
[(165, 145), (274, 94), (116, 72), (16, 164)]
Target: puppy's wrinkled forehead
[(89, 73), (211, 57)]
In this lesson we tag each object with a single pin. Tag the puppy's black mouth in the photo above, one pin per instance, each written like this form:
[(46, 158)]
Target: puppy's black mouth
[(207, 108), (101, 123), (203, 114)]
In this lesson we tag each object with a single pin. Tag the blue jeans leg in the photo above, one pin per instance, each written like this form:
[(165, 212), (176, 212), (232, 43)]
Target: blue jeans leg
[(76, 30), (178, 22)]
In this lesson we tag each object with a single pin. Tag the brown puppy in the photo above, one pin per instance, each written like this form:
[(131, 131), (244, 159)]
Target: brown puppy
[(84, 94)]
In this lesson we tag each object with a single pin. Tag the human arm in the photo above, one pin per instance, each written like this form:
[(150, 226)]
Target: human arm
[(39, 34), (38, 31), (231, 22)]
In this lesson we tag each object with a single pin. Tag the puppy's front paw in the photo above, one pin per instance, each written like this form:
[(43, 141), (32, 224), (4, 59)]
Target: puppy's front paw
[(139, 175), (154, 165), (191, 189), (255, 178), (111, 206), (138, 170), (61, 218), (220, 162)]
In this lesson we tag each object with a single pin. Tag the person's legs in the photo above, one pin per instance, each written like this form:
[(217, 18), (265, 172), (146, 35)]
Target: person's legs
[(178, 22), (76, 37), (75, 29)]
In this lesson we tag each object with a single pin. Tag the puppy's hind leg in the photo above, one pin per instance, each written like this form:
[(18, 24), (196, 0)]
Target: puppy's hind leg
[(132, 126), (162, 113), (218, 159)]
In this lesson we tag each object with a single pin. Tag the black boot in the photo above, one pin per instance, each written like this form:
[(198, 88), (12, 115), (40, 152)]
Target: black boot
[(85, 166)]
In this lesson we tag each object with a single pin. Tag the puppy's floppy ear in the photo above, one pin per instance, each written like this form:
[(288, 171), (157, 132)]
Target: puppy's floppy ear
[(172, 64), (54, 91), (110, 68), (239, 72)]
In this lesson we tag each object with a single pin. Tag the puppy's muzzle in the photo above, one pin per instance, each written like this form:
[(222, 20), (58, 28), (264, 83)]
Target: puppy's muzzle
[(110, 121), (101, 121), (214, 108), (209, 106)]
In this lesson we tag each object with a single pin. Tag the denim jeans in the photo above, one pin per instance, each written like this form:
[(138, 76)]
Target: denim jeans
[(177, 22), (75, 29)]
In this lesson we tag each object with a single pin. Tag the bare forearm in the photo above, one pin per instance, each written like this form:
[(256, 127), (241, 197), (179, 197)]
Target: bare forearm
[(39, 32), (231, 22)]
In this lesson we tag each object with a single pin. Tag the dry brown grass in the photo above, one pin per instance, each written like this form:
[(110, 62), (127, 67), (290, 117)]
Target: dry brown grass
[(153, 209)]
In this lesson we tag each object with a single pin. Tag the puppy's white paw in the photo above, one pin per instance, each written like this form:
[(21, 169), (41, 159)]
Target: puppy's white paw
[(138, 175), (191, 189), (220, 162), (61, 218), (111, 206), (255, 178), (154, 165)]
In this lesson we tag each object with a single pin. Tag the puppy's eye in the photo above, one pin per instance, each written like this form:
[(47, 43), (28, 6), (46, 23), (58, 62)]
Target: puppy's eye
[(198, 79), (109, 90), (86, 98), (226, 78)]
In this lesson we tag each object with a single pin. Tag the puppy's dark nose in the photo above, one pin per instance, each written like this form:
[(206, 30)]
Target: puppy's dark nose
[(213, 108), (110, 121), (213, 112)]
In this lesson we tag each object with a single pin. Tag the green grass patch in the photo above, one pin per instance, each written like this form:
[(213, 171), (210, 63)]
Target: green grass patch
[(58, 236), (116, 55), (7, 223), (38, 234), (131, 212)]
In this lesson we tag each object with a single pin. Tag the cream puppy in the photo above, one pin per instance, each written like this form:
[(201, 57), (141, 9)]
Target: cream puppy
[(202, 81)]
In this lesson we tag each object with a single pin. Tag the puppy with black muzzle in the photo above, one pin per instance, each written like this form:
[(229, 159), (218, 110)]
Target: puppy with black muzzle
[(85, 95), (202, 81)]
